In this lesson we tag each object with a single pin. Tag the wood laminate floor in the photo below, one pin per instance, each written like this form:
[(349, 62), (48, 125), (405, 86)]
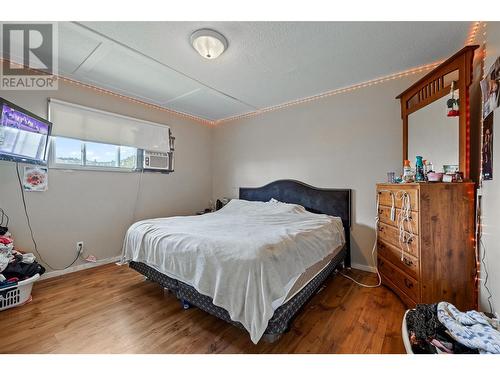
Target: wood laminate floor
[(111, 309)]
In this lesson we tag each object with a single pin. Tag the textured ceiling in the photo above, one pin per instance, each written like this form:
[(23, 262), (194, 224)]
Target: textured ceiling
[(266, 63)]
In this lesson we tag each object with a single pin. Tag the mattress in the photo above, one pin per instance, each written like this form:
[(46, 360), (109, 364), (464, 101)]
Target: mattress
[(310, 273), (246, 257)]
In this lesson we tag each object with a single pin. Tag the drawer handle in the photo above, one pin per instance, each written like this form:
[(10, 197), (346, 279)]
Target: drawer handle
[(380, 229), (408, 240), (408, 284), (408, 262)]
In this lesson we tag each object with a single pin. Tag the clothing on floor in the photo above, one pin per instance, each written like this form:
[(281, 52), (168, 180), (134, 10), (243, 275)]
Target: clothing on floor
[(5, 255), (428, 335), (28, 258), (4, 240), (14, 264), (22, 270), (472, 329)]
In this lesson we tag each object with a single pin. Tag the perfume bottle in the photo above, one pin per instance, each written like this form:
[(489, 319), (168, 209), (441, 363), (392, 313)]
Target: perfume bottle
[(408, 175), (419, 169)]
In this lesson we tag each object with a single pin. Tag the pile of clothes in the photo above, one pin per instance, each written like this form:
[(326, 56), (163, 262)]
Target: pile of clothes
[(14, 265), (442, 329)]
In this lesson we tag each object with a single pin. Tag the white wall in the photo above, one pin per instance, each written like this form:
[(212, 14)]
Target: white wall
[(491, 191), (97, 207), (349, 140)]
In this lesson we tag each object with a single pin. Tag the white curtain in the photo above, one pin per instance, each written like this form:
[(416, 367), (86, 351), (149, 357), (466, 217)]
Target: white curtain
[(89, 124)]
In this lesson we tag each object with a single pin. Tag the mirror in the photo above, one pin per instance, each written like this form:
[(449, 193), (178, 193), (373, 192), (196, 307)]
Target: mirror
[(433, 135), (427, 130)]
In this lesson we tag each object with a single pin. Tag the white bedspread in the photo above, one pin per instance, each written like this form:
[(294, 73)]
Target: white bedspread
[(242, 256)]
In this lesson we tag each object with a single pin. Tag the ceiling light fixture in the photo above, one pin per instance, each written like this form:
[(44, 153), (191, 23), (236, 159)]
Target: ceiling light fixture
[(209, 43)]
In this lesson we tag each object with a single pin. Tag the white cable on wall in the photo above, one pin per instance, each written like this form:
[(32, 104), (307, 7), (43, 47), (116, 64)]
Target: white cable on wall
[(377, 219), (137, 195), (405, 237), (404, 216)]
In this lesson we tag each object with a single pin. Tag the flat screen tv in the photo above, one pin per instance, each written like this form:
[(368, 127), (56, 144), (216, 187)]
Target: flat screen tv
[(24, 136)]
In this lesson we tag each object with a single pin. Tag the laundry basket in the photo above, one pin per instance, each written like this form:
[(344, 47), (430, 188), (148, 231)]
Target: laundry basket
[(405, 335), (15, 295)]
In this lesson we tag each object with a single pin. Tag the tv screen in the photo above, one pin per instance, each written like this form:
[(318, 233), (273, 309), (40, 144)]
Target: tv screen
[(23, 135)]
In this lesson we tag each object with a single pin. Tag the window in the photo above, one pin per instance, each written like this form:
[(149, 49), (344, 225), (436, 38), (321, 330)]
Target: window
[(69, 152), (101, 154), (89, 138), (127, 157)]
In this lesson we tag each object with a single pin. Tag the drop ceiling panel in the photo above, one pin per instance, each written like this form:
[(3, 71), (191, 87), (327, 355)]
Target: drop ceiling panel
[(132, 74), (75, 45), (208, 104), (269, 63)]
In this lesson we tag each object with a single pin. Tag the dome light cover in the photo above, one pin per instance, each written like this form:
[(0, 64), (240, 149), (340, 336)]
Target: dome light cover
[(208, 43)]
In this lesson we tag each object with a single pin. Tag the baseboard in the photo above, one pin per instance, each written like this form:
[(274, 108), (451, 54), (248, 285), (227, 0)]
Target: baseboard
[(364, 267), (80, 267)]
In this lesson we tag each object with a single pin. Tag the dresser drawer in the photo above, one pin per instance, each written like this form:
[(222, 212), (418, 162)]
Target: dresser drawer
[(384, 214), (411, 304), (390, 234), (409, 264), (386, 193), (407, 284)]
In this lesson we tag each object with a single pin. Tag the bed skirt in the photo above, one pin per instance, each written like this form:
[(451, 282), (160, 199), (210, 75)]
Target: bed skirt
[(282, 317)]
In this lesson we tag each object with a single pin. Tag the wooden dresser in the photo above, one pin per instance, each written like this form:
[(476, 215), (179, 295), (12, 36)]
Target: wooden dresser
[(436, 262)]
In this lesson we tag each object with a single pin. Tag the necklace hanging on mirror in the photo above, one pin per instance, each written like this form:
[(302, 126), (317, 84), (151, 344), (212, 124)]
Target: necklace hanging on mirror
[(452, 103)]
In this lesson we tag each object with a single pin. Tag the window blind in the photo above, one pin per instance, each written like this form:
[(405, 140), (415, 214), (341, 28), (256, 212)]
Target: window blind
[(89, 124)]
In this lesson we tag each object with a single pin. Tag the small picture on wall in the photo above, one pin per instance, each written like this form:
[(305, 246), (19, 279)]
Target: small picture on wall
[(35, 179), (490, 86), (487, 151)]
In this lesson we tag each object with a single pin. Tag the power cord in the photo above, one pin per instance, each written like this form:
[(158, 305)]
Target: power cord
[(377, 219), (485, 283), (374, 262), (31, 229), (405, 237), (137, 195), (480, 256), (404, 216), (4, 216)]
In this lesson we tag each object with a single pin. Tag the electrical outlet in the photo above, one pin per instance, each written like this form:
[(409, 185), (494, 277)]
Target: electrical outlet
[(79, 247)]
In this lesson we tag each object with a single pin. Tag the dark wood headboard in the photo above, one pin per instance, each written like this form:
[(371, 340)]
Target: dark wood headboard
[(333, 202)]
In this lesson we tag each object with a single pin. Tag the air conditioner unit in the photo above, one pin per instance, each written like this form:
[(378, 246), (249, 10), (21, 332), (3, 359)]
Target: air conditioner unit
[(162, 161)]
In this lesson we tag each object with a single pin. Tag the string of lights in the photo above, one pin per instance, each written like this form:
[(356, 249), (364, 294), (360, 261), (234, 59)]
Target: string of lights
[(137, 101), (475, 27), (376, 81), (483, 75), (471, 38), (119, 96), (480, 247)]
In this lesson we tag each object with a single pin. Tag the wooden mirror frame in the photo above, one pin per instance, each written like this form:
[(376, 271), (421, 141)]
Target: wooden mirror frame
[(432, 87)]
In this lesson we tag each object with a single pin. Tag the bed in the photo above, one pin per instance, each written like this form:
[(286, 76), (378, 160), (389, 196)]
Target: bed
[(255, 262)]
